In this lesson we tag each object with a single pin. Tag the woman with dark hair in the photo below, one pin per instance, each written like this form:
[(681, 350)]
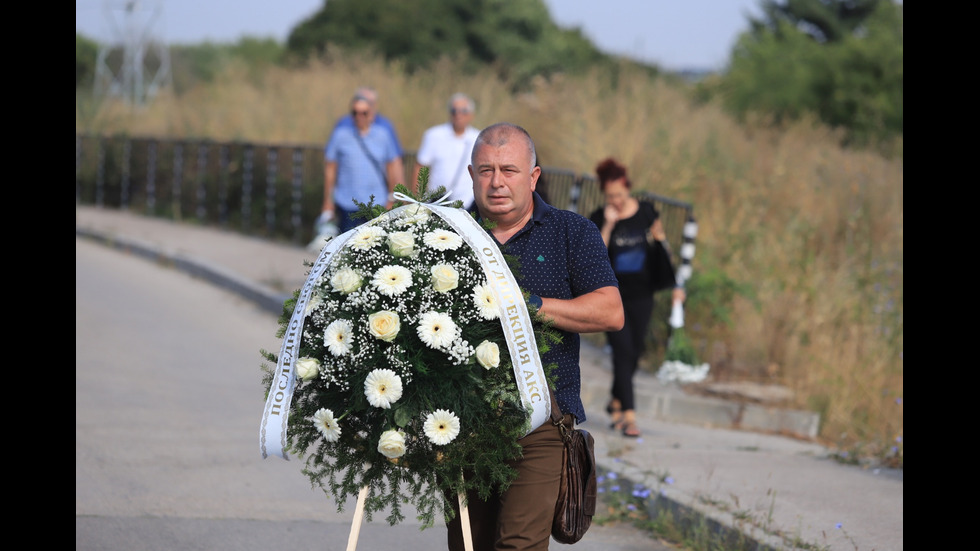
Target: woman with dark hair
[(631, 229)]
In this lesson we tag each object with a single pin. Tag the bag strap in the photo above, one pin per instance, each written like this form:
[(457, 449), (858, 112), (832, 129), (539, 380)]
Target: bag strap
[(558, 420), (375, 162), (459, 168)]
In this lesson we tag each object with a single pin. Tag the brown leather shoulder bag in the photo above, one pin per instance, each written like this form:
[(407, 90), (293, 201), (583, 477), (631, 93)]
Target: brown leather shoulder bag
[(577, 493)]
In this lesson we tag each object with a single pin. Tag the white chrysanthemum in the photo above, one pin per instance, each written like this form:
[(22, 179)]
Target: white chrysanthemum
[(337, 337), (437, 330), (441, 427), (325, 423), (442, 240), (486, 302), (346, 280), (392, 280), (366, 237), (383, 387), (313, 303)]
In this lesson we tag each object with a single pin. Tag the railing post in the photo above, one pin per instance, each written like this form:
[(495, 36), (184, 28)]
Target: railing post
[(687, 250), (297, 194), (247, 167), (574, 194), (223, 185), (178, 179), (271, 169), (124, 178), (202, 166), (78, 169), (100, 174), (151, 177)]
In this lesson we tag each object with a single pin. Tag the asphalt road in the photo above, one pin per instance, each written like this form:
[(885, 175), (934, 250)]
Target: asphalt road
[(168, 400)]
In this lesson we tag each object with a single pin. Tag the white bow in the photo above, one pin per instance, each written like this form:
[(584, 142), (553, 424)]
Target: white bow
[(442, 201)]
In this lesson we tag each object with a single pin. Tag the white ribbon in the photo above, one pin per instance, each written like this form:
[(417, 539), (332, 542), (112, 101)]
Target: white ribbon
[(272, 433), (442, 201), (514, 319)]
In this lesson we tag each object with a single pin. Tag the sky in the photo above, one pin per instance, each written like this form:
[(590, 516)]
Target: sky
[(674, 34)]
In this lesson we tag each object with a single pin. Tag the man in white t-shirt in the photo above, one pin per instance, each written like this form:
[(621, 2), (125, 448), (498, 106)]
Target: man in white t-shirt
[(446, 149)]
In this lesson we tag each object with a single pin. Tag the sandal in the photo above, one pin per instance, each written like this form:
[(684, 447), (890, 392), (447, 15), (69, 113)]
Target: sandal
[(630, 430), (615, 414), (628, 426)]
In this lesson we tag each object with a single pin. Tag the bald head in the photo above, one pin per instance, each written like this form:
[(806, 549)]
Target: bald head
[(501, 133)]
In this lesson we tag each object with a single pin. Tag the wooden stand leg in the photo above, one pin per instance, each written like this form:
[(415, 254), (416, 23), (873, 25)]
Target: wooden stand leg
[(464, 519), (355, 527)]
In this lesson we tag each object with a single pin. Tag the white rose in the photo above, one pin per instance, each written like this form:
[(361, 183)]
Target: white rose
[(392, 444), (444, 278), (415, 214), (488, 354), (315, 301), (384, 325), (401, 243), (346, 280), (307, 368)]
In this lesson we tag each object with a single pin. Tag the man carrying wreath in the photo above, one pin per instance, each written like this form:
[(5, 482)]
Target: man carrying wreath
[(565, 267)]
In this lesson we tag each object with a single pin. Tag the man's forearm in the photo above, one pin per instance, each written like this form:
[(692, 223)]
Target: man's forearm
[(595, 312)]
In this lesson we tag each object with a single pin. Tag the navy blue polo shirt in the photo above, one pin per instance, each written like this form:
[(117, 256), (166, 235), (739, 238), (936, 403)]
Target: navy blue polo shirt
[(561, 255)]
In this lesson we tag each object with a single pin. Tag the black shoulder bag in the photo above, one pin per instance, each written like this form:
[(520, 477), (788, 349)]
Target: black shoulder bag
[(660, 267)]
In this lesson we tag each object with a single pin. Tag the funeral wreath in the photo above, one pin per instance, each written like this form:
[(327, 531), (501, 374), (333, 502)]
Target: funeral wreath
[(404, 383)]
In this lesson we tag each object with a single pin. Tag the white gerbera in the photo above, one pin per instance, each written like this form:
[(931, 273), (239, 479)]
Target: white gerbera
[(437, 330), (325, 423), (383, 387), (441, 427), (442, 240), (337, 337), (367, 236), (392, 280), (486, 302)]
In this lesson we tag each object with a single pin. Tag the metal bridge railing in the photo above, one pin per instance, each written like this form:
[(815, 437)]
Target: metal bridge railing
[(270, 190)]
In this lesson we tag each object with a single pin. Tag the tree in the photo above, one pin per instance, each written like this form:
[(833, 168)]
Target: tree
[(86, 53), (839, 60), (516, 36), (824, 20)]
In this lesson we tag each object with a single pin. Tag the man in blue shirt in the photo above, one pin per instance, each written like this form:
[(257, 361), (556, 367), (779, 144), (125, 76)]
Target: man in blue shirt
[(360, 162), (565, 267), (372, 96)]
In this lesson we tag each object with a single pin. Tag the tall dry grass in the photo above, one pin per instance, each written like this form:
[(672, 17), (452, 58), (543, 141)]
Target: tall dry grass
[(813, 232)]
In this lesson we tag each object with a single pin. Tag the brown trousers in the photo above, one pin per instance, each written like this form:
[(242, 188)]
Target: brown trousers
[(521, 517)]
